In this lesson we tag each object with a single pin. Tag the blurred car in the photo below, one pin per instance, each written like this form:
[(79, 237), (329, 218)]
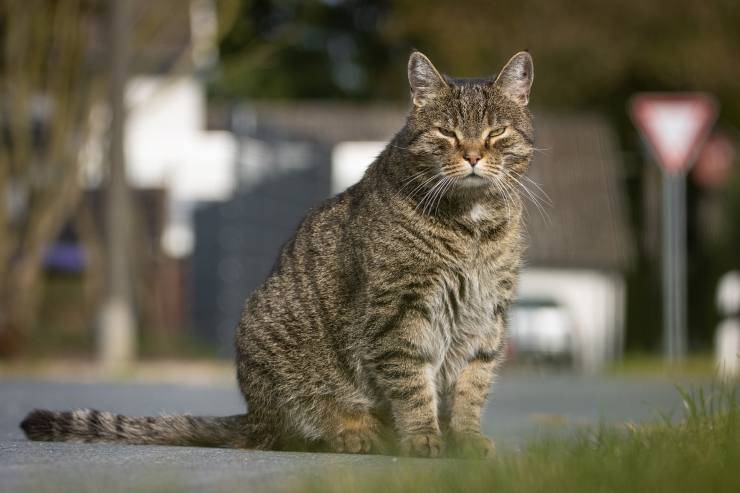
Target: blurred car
[(540, 330)]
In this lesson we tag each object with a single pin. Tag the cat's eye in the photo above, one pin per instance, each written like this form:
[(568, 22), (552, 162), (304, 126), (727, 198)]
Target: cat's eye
[(496, 132), (447, 132)]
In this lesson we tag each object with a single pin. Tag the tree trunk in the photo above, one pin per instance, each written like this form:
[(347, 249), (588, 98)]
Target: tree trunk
[(16, 315)]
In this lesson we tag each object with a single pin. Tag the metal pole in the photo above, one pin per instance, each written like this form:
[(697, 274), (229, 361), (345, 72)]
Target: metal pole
[(681, 303), (116, 343), (674, 266), (667, 259)]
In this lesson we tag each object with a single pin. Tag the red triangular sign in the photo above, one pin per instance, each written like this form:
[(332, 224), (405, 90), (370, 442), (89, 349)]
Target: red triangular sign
[(674, 125)]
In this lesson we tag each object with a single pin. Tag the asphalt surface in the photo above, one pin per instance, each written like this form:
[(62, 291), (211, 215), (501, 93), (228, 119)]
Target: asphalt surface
[(522, 407)]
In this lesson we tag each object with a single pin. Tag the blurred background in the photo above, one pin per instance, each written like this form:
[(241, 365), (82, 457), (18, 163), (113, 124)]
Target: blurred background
[(154, 156)]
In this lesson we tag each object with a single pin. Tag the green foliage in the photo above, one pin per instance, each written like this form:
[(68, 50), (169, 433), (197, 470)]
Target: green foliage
[(306, 49), (587, 53), (726, 245)]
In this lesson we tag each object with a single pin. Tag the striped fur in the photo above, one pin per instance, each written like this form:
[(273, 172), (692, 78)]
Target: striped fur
[(89, 425), (383, 320)]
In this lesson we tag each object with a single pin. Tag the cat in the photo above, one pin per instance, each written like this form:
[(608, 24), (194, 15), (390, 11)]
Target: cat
[(382, 323)]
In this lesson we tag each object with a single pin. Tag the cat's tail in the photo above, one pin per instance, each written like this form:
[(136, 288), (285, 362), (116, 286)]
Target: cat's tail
[(87, 425)]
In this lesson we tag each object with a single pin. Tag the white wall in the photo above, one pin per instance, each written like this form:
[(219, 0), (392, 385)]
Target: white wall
[(595, 300), (349, 161), (167, 144)]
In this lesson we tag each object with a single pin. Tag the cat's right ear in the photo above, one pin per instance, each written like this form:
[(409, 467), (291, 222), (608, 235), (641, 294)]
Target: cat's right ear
[(424, 79), (516, 77)]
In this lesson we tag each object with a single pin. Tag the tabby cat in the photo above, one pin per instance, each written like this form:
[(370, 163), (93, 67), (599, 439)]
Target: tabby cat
[(383, 320)]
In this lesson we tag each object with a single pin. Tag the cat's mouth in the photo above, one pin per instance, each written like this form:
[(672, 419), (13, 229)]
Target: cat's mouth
[(473, 180)]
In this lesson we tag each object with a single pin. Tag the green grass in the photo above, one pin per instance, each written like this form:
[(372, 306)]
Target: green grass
[(698, 452), (700, 365)]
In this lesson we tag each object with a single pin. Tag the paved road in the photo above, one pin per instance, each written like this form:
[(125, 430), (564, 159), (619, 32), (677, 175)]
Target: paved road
[(522, 406)]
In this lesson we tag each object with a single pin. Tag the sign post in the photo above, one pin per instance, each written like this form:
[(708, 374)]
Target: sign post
[(674, 127)]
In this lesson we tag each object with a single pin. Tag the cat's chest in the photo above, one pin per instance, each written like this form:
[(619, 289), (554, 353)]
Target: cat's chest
[(468, 295), (465, 296), (469, 285), (463, 305), (463, 316)]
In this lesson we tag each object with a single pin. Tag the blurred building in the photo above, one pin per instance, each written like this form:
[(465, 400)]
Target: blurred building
[(572, 293), (581, 248)]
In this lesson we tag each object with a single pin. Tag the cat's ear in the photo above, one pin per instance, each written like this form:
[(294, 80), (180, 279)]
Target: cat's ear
[(515, 80), (424, 79)]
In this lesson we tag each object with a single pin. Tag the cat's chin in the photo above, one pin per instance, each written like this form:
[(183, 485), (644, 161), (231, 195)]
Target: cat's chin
[(473, 182)]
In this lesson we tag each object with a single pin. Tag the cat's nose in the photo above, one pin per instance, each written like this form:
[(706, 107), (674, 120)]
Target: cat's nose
[(472, 157)]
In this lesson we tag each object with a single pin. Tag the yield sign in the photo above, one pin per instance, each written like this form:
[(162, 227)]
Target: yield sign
[(675, 125)]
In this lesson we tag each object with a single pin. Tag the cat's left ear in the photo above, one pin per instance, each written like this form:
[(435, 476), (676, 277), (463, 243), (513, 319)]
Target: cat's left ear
[(425, 81), (515, 80)]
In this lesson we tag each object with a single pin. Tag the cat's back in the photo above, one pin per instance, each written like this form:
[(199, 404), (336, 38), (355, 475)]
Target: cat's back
[(315, 271)]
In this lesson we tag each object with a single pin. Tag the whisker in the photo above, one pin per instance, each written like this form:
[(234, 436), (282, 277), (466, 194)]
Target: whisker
[(543, 213), (529, 191), (428, 193), (410, 180), (430, 203), (545, 196), (432, 193), (536, 200), (514, 192), (450, 182), (421, 185), (438, 193), (506, 192)]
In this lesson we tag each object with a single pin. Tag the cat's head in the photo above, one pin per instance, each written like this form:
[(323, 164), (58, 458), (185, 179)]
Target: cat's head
[(473, 134)]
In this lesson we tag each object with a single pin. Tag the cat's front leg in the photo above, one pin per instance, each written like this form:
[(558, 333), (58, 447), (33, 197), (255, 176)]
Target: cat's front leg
[(402, 362), (466, 400)]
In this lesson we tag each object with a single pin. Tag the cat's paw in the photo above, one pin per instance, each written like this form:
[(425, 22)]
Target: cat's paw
[(356, 441), (422, 445), (470, 446)]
